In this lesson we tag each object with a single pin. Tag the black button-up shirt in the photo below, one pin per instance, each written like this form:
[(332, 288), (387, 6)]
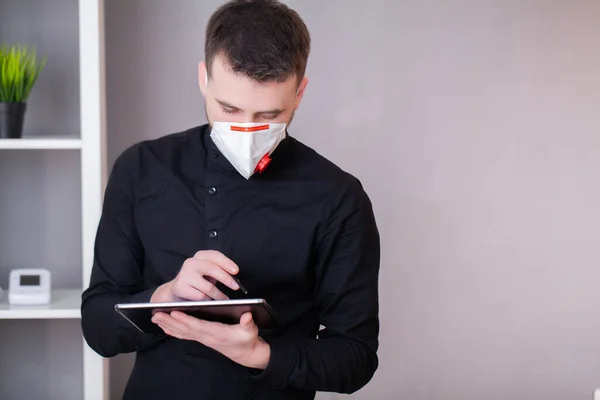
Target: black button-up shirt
[(303, 234)]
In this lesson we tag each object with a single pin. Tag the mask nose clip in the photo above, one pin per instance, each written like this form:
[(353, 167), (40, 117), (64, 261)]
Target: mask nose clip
[(248, 146)]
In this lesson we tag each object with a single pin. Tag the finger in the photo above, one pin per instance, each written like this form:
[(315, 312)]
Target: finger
[(188, 291), (200, 327), (204, 286), (210, 279), (212, 272), (169, 332), (204, 332), (220, 259), (246, 321), (178, 328), (158, 315)]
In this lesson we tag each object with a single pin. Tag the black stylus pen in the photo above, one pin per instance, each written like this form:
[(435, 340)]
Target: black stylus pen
[(242, 288)]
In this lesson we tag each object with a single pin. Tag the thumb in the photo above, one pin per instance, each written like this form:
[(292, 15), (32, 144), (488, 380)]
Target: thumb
[(246, 320)]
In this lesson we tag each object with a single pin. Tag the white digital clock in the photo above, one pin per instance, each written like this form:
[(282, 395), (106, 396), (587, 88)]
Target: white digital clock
[(29, 287)]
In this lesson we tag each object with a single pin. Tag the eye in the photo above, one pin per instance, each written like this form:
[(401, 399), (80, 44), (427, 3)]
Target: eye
[(270, 116), (229, 110)]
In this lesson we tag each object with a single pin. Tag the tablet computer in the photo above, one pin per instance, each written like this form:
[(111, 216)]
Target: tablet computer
[(225, 311)]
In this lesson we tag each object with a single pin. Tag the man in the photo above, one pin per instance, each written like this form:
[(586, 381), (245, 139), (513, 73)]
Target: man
[(239, 196)]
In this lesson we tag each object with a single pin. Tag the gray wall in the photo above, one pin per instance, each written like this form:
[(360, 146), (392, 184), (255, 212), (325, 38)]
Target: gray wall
[(474, 126), (41, 359)]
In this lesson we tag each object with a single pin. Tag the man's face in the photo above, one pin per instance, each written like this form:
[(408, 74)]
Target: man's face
[(236, 98)]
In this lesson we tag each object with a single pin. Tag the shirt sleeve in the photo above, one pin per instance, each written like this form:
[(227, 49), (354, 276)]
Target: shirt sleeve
[(343, 358), (116, 275)]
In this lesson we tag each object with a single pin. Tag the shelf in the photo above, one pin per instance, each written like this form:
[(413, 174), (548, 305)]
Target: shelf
[(65, 304), (40, 144), (52, 179)]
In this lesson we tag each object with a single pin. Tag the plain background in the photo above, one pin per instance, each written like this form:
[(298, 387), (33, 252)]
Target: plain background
[(474, 126)]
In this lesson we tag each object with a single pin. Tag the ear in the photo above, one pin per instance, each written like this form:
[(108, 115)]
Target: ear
[(202, 77), (301, 90)]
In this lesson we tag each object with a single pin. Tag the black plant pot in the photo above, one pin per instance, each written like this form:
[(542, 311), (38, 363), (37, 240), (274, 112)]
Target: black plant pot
[(12, 116)]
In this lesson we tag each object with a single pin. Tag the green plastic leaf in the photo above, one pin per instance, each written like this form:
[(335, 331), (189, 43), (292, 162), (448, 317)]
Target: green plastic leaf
[(19, 71)]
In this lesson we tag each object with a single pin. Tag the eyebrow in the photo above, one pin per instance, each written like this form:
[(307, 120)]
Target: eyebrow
[(227, 105)]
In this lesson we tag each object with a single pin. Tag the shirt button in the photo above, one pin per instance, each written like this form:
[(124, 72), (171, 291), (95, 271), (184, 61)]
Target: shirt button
[(212, 190), (213, 234)]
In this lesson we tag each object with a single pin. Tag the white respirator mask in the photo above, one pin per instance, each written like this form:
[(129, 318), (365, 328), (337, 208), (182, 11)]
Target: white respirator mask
[(248, 146)]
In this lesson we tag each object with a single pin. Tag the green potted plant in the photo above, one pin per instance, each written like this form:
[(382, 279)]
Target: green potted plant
[(19, 70)]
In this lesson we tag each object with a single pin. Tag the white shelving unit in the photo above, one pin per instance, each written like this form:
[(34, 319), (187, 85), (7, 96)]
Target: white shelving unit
[(51, 186), (40, 144), (65, 304)]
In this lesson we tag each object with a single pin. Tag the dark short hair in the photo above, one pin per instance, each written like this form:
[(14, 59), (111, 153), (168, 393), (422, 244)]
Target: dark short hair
[(264, 40)]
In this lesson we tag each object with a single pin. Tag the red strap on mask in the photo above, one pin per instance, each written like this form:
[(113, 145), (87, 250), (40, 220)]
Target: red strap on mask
[(263, 163), (250, 129)]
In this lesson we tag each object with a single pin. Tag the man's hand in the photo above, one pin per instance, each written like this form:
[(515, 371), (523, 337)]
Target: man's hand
[(197, 277), (240, 343)]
